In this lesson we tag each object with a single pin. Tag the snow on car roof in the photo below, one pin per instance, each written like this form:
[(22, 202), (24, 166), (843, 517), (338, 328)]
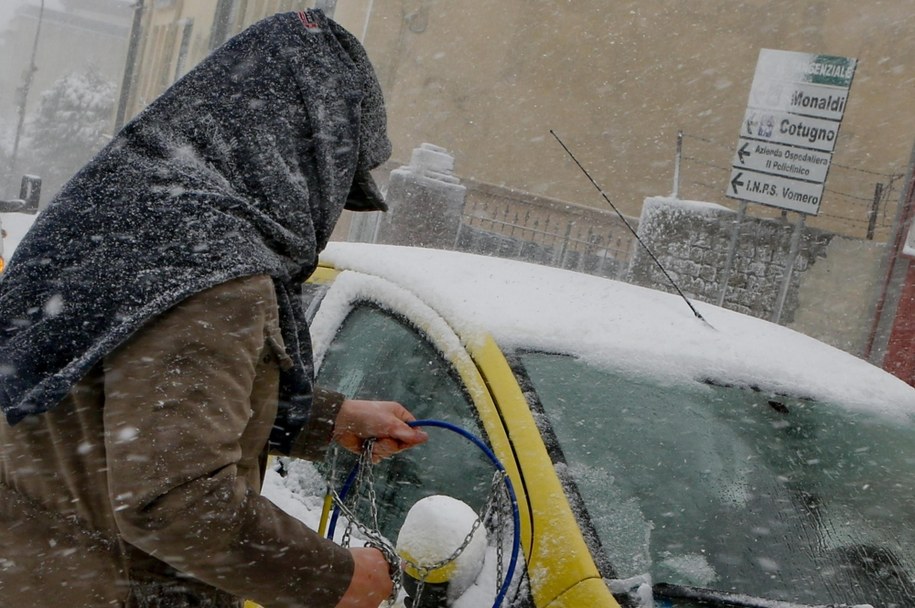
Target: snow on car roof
[(625, 327)]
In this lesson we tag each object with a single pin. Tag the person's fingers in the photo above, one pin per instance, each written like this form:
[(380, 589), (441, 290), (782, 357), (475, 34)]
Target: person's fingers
[(393, 422), (385, 421), (403, 413), (405, 432), (407, 435), (383, 448), (388, 446)]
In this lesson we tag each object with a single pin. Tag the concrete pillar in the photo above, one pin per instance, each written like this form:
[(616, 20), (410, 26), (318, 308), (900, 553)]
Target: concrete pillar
[(425, 202)]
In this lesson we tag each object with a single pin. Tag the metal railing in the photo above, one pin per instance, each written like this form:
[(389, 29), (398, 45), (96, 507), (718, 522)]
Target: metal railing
[(572, 242)]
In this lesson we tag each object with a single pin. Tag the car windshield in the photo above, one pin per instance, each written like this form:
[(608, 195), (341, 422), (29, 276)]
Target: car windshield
[(729, 489)]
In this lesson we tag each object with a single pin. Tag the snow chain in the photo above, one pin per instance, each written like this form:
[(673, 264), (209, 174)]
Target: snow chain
[(375, 539), (500, 495), (365, 479), (489, 509)]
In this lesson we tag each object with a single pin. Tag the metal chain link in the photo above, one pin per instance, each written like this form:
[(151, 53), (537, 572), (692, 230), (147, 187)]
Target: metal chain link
[(496, 490), (365, 479), (499, 490), (420, 586), (427, 570), (494, 509), (374, 538)]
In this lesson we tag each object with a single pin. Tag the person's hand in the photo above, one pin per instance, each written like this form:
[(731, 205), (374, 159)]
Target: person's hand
[(371, 583), (385, 421)]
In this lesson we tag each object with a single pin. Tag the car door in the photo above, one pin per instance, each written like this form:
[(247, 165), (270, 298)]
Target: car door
[(374, 340)]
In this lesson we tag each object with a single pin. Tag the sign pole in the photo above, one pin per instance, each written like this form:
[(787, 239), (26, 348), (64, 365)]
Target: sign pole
[(677, 161), (789, 267)]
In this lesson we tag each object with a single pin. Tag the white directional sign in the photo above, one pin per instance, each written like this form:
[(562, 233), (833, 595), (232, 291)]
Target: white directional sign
[(793, 194), (781, 159), (786, 128), (799, 97), (790, 129)]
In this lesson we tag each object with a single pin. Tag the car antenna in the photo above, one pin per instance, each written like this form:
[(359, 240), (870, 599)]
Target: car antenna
[(631, 229)]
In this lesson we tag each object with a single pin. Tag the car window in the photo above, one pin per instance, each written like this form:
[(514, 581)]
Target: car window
[(728, 489), (376, 355), (312, 295)]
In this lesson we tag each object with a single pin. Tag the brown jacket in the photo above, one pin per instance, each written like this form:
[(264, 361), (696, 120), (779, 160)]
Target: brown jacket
[(142, 487)]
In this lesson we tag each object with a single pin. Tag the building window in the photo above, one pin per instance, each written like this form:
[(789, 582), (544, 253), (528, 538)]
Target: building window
[(224, 19), (186, 32), (327, 6)]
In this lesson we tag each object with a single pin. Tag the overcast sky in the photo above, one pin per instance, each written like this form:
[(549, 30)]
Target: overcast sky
[(7, 8)]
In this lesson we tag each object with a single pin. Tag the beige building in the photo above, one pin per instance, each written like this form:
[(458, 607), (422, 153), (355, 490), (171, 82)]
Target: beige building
[(616, 80), (176, 34), (75, 35)]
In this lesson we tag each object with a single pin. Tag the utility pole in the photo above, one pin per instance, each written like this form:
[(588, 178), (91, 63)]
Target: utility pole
[(24, 97), (872, 214)]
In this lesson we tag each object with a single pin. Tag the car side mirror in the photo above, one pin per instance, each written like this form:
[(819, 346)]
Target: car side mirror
[(29, 195), (443, 548)]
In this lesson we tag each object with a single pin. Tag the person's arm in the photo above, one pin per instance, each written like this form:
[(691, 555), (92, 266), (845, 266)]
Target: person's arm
[(312, 441), (180, 431)]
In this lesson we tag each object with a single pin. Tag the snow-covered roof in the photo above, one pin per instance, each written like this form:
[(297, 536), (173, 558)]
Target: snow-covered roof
[(624, 326)]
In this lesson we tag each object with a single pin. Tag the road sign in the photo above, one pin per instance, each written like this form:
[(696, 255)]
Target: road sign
[(786, 128), (801, 98), (780, 159), (790, 129), (792, 194)]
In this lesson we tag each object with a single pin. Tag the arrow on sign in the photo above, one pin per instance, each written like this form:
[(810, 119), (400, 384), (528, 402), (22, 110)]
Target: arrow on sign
[(743, 152), (735, 182)]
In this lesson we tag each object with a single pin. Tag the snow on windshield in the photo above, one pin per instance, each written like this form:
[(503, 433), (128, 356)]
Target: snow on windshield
[(625, 327)]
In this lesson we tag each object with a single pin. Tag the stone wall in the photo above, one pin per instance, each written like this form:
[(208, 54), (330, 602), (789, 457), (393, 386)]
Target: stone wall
[(508, 223), (691, 240)]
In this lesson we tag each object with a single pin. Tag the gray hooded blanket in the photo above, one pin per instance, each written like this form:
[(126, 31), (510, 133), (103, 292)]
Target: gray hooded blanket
[(242, 167)]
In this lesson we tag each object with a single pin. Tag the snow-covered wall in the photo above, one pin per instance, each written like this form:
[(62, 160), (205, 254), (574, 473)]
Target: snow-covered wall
[(691, 239), (832, 288)]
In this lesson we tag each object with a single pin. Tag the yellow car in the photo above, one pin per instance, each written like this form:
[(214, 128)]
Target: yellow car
[(659, 459)]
